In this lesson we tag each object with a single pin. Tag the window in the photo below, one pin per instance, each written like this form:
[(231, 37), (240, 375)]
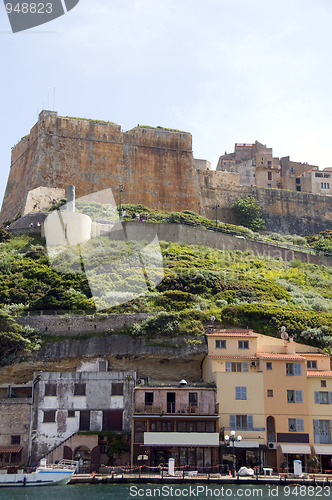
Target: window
[(294, 396), (270, 393), (240, 393), (269, 176), (269, 186), (292, 170), (149, 398), (193, 398), (241, 422), (162, 426), (220, 344), (243, 344), (295, 425), (117, 389), (269, 365), (322, 431), (269, 164), (79, 389), (298, 180), (298, 188), (15, 439), (323, 397), (237, 367), (323, 383), (49, 415), (71, 413), (293, 368), (311, 364), (50, 390)]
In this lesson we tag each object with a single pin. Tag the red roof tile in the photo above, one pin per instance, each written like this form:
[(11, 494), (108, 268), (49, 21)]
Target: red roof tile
[(278, 355), (227, 333), (232, 357), (322, 354), (11, 449), (316, 373)]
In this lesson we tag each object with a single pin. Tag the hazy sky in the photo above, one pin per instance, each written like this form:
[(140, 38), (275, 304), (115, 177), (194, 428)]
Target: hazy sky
[(225, 70)]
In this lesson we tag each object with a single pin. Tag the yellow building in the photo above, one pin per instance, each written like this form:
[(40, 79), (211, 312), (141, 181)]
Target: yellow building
[(268, 391)]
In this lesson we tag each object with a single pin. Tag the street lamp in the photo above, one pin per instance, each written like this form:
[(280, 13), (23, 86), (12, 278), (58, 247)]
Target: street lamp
[(216, 206), (232, 439)]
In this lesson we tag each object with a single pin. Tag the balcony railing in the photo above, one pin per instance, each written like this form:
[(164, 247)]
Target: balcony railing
[(173, 408)]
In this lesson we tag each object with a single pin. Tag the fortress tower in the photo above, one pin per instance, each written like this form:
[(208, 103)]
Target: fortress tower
[(154, 166)]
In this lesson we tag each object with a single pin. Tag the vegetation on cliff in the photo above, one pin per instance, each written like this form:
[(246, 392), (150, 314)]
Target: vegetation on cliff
[(238, 288)]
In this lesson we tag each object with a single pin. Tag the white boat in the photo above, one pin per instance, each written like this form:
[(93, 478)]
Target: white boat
[(44, 475)]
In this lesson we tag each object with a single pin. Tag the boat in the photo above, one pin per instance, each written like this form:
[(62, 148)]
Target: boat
[(44, 475)]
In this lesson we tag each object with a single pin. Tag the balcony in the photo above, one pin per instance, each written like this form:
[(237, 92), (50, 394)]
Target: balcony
[(173, 408)]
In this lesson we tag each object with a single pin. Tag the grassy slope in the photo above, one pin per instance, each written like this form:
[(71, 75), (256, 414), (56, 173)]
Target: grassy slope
[(236, 287)]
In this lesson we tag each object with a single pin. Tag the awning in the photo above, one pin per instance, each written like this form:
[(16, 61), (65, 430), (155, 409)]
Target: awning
[(245, 444), (181, 439), (322, 449), (297, 449), (10, 449)]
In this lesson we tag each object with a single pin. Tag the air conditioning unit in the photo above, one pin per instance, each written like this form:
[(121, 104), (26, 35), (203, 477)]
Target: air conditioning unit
[(140, 381), (253, 363), (272, 446)]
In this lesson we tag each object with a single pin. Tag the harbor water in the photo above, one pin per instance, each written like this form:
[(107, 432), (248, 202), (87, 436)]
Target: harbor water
[(169, 491)]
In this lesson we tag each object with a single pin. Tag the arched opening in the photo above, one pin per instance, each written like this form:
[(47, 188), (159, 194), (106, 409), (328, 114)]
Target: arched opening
[(271, 429), (83, 456)]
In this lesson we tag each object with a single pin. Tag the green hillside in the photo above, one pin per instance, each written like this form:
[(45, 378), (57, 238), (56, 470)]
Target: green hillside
[(238, 288)]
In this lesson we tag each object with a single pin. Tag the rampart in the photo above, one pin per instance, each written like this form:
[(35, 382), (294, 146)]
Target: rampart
[(284, 211), (72, 325)]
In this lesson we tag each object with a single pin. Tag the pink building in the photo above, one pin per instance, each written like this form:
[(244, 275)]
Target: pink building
[(179, 422)]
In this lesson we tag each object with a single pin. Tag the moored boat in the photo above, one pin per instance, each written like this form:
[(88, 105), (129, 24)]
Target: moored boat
[(44, 475)]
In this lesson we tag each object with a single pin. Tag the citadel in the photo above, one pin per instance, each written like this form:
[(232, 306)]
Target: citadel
[(155, 167)]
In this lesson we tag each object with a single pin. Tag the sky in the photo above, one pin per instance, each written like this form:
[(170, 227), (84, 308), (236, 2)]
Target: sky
[(224, 70)]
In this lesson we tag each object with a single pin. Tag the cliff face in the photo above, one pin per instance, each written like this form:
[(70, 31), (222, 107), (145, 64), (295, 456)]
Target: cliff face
[(154, 166), (160, 359)]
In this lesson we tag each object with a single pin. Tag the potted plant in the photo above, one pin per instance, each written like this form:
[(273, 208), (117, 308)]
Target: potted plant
[(313, 463)]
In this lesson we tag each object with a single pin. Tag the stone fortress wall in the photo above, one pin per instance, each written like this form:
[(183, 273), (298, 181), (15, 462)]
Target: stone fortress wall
[(153, 166)]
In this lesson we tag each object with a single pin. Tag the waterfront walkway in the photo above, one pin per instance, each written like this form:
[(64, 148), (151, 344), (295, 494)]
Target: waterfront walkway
[(282, 479)]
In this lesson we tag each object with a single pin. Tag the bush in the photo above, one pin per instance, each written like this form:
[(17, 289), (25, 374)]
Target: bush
[(249, 211)]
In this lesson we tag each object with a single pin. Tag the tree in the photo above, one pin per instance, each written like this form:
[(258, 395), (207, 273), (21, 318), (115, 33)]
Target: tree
[(248, 212), (116, 446)]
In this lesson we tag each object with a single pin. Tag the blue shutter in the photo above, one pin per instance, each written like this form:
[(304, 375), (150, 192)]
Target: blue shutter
[(297, 368), (298, 397), (228, 366), (330, 398), (232, 422), (317, 399), (238, 393), (245, 366), (316, 431), (299, 425), (250, 421), (244, 393)]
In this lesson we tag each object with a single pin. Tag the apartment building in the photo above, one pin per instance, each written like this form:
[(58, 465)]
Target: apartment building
[(268, 392), (256, 166), (176, 421)]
